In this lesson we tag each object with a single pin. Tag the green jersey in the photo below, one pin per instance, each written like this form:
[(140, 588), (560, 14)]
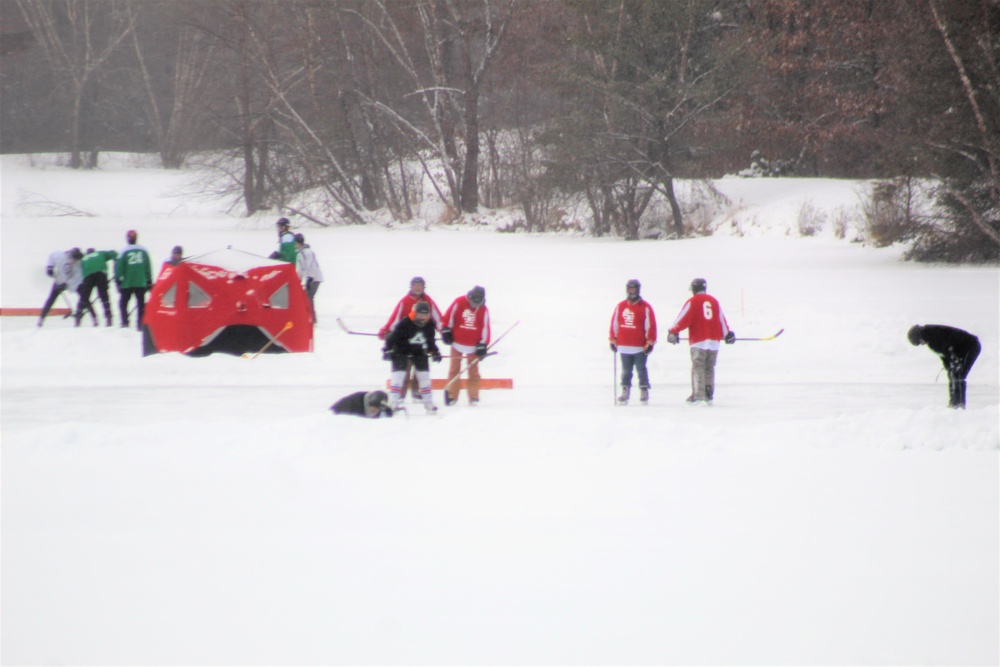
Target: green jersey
[(97, 261), (133, 268)]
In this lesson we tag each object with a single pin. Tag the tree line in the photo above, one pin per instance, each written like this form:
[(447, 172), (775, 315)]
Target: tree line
[(344, 107)]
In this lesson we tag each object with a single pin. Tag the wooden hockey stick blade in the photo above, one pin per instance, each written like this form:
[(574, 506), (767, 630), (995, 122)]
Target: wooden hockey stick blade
[(780, 331)]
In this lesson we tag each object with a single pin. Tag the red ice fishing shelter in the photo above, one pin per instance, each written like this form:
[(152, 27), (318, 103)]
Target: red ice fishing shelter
[(227, 301)]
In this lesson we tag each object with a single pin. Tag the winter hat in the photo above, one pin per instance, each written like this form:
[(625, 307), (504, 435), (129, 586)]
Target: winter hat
[(915, 334), (300, 239), (476, 296), (416, 279), (75, 253)]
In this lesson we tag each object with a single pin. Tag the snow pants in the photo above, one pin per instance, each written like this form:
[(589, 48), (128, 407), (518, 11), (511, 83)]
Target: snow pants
[(312, 286), (400, 375), (454, 365), (637, 362), (140, 303), (57, 289), (703, 373), (958, 370), (98, 281)]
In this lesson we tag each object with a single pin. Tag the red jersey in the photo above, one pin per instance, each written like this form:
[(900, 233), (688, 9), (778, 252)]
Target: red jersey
[(403, 309), (470, 326), (702, 317), (633, 326)]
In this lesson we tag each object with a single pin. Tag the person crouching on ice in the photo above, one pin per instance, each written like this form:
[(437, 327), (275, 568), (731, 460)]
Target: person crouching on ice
[(412, 339), (370, 404)]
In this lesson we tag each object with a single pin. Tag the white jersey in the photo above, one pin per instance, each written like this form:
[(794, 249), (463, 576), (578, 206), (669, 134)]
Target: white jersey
[(307, 266)]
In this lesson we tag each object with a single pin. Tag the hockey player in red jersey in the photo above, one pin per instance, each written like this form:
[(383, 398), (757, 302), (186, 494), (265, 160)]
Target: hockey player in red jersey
[(632, 335), (403, 309), (467, 329), (707, 327)]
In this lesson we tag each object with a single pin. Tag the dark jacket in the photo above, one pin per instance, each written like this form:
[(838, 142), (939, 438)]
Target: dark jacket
[(357, 404), (954, 346), (409, 339)]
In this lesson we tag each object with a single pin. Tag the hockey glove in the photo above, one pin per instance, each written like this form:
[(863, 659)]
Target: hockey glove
[(649, 349), (730, 338), (436, 356), (49, 272), (673, 338), (446, 336), (481, 350), (382, 333), (614, 348), (386, 354)]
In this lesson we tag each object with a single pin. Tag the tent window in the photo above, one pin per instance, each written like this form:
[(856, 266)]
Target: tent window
[(280, 298), (169, 297), (197, 298)]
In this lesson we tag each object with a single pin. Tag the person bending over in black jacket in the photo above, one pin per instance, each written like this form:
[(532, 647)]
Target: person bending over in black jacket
[(371, 404), (958, 351)]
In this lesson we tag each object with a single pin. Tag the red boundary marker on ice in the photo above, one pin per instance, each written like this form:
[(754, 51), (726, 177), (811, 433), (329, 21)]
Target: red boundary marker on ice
[(31, 312), (485, 383)]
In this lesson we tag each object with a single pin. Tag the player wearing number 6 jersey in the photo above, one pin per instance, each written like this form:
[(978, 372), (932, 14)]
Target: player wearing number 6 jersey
[(707, 327)]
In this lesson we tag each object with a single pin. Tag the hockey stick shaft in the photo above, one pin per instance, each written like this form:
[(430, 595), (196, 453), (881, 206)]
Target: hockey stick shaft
[(780, 331), (354, 333), (478, 359), (271, 342)]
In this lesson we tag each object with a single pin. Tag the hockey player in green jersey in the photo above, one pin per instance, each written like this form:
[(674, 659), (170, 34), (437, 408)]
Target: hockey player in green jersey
[(95, 275), (134, 276)]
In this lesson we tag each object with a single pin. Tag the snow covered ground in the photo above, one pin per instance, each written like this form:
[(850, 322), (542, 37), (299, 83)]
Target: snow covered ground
[(828, 509)]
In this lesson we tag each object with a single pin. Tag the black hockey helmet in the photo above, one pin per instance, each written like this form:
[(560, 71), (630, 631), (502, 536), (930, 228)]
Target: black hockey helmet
[(422, 308), (299, 238), (75, 253), (915, 334), (476, 296), (416, 279), (633, 283), (699, 285), (282, 222)]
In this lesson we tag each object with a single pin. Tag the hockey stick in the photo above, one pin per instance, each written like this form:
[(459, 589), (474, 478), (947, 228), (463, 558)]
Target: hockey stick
[(69, 304), (614, 382), (354, 333), (780, 331), (246, 355), (478, 359)]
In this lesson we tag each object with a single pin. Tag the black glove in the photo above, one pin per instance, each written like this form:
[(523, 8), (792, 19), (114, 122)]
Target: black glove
[(673, 338), (49, 272), (481, 350), (446, 336), (730, 338), (386, 411), (649, 349), (386, 354), (436, 356), (614, 348), (60, 286)]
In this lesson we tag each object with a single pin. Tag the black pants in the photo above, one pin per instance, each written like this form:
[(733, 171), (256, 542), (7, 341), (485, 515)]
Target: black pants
[(99, 281), (57, 289), (140, 302), (312, 286), (958, 369)]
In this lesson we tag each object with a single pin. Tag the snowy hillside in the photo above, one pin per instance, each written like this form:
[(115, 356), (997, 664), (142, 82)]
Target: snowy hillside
[(827, 509)]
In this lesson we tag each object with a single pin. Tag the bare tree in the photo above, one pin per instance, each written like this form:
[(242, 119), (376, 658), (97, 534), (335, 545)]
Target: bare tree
[(78, 37), (191, 52)]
